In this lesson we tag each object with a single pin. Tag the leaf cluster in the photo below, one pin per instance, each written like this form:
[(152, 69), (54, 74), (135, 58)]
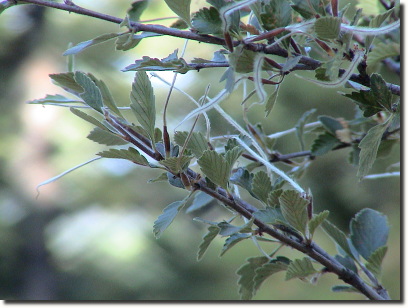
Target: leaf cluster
[(255, 36)]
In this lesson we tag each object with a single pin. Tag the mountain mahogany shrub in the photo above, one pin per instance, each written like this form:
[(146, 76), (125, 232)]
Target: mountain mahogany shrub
[(260, 43)]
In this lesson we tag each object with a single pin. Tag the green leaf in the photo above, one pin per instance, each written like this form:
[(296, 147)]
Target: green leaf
[(107, 97), (330, 124), (378, 98), (54, 100), (268, 269), (368, 149), (175, 180), (317, 220), (376, 22), (215, 167), (161, 178), (269, 215), (275, 14), (179, 24), (207, 21), (83, 45), (130, 154), (344, 288), (102, 136), (88, 118), (181, 8), (126, 42), (242, 60), (327, 28), (136, 9), (230, 16), (294, 210), (167, 217), (227, 229), (290, 63), (233, 154), (347, 262), (270, 101), (207, 239), (379, 19), (324, 144), (143, 103), (380, 91), (369, 231), (366, 102), (337, 236), (176, 164), (243, 178), (380, 52), (232, 240), (231, 143), (261, 186), (197, 143), (300, 268), (304, 8), (273, 197), (375, 260), (67, 82), (170, 63), (90, 93), (395, 121), (201, 199), (205, 221), (300, 125), (229, 77), (247, 273), (333, 65)]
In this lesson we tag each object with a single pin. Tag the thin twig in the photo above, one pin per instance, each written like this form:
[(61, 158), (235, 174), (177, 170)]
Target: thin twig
[(309, 63), (309, 249), (240, 206)]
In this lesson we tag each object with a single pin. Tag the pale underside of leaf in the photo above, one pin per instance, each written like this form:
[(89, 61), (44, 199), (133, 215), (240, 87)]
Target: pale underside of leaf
[(102, 136), (129, 154), (300, 268), (337, 236), (87, 118), (368, 149), (207, 239), (83, 45), (375, 260), (167, 217)]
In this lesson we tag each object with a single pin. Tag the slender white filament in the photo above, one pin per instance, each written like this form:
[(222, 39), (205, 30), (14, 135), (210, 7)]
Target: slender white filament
[(271, 167)]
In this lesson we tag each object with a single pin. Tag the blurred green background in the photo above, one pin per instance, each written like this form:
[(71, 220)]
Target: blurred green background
[(88, 236)]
